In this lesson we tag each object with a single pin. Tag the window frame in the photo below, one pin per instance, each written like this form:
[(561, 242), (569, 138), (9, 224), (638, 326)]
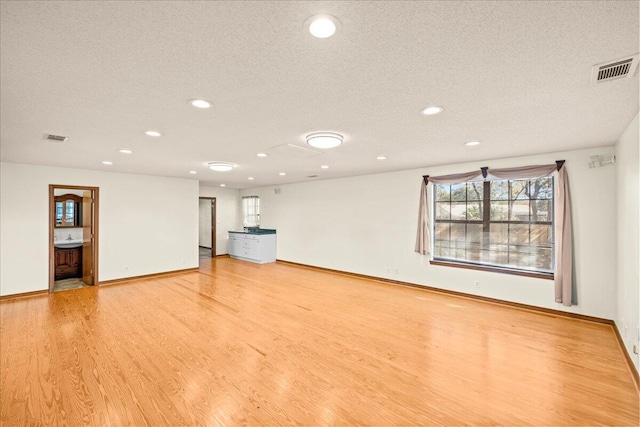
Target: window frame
[(486, 222)]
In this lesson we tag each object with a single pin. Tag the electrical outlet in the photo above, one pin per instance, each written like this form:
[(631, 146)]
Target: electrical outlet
[(635, 348), (126, 268), (477, 284)]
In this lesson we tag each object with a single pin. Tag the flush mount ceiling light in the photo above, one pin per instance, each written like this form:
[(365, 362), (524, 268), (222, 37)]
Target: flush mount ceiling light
[(430, 111), (223, 185), (107, 162), (200, 103), (261, 154), (251, 178), (282, 173), (124, 151), (193, 172), (220, 166), (324, 167), (153, 133), (381, 157), (322, 26), (472, 143), (324, 139)]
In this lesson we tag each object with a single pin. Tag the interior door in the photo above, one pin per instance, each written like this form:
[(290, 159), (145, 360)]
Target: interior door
[(213, 228), (87, 237)]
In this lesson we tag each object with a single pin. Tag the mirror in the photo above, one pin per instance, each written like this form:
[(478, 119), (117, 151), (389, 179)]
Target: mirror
[(68, 210)]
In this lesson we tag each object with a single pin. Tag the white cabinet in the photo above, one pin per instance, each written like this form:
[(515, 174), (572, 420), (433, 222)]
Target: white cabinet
[(259, 248)]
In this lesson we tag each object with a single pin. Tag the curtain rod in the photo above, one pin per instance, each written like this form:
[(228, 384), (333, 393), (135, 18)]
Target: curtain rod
[(485, 169)]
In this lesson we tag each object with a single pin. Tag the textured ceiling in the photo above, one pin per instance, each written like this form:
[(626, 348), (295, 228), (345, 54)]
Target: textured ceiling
[(514, 75)]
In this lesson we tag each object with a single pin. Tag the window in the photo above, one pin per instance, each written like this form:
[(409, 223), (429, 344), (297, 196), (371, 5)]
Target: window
[(251, 211), (503, 224)]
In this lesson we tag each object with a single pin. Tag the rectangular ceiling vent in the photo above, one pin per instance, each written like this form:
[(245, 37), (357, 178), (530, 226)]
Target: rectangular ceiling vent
[(294, 151), (56, 138), (619, 69)]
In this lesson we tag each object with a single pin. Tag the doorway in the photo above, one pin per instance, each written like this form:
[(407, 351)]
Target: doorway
[(73, 237), (207, 227)]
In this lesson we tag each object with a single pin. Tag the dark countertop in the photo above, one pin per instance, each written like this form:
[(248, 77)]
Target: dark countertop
[(254, 231)]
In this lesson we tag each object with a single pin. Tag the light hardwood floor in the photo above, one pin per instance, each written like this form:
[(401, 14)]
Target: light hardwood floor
[(246, 344)]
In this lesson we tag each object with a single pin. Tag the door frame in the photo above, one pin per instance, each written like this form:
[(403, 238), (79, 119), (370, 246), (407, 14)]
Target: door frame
[(214, 209), (52, 222)]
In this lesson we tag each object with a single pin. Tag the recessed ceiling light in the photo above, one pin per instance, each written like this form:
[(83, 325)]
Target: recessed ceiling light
[(200, 103), (223, 185), (153, 133), (282, 173), (251, 178), (261, 154), (220, 166), (322, 26), (324, 167), (123, 151), (472, 143), (430, 111), (193, 172), (107, 162), (381, 157), (324, 139)]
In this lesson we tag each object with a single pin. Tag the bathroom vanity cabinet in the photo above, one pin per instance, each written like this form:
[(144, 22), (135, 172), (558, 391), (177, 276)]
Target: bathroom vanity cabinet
[(68, 263)]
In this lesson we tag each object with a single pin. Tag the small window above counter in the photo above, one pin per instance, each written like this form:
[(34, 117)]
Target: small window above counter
[(68, 210)]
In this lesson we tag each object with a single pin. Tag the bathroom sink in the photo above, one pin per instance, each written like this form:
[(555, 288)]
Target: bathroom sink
[(68, 245)]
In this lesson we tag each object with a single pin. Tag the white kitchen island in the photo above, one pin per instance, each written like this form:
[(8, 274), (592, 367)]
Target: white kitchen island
[(253, 245)]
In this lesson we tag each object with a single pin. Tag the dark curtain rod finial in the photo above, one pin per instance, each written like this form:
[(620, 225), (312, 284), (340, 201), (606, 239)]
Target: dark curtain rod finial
[(426, 179), (559, 164)]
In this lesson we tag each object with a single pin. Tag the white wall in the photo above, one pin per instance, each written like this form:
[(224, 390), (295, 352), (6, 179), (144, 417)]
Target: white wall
[(367, 225), (204, 214), (628, 274), (147, 224), (229, 214)]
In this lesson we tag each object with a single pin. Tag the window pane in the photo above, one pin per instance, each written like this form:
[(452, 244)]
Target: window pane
[(443, 210), (520, 259), (519, 190), (459, 192), (519, 210), (443, 192), (519, 234), (499, 233), (499, 257), (475, 190), (474, 211), (473, 254), (499, 190), (458, 233), (541, 235), (540, 210), (442, 233), (542, 259), (499, 211), (459, 211), (474, 234), (541, 188)]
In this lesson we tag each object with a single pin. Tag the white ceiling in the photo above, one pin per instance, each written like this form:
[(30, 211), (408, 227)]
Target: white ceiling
[(514, 75)]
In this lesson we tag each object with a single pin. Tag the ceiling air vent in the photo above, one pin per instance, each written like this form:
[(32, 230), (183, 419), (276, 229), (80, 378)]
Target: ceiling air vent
[(619, 69), (56, 138)]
